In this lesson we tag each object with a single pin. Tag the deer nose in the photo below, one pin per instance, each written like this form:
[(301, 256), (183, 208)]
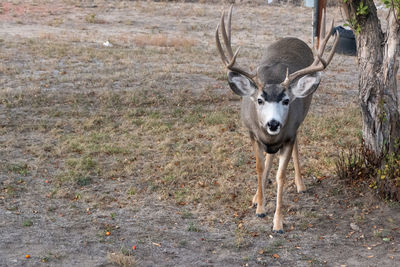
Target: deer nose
[(273, 125)]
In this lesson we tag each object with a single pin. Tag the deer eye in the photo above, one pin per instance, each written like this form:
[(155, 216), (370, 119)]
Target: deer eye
[(285, 102), (260, 102)]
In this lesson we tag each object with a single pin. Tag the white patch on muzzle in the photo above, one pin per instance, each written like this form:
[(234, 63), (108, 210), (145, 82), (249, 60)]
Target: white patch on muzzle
[(272, 111)]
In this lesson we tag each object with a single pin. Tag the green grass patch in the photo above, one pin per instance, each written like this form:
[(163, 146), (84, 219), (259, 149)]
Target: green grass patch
[(218, 117), (27, 223), (20, 168), (274, 247), (193, 228)]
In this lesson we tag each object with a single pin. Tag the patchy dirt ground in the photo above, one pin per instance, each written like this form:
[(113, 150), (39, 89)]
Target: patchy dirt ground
[(138, 143)]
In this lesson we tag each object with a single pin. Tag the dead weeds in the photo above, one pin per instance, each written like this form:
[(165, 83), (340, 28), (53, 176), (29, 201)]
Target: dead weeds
[(163, 40)]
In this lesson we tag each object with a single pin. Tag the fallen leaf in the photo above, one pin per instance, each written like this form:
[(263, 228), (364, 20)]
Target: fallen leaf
[(276, 256), (371, 256), (156, 244), (260, 252), (254, 234), (349, 234)]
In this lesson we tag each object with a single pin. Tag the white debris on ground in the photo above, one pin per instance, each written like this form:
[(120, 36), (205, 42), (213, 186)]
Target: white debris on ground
[(107, 44)]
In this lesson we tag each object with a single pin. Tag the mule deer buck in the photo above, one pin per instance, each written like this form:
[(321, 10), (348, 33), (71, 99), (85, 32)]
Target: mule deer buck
[(276, 99)]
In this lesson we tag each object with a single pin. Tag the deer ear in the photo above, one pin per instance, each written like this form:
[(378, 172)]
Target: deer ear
[(240, 84), (305, 86)]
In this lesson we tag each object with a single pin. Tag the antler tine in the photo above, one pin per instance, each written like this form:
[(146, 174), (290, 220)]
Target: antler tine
[(286, 82), (229, 59), (231, 67), (229, 23), (233, 59), (225, 36), (219, 47), (330, 56), (325, 40), (323, 44)]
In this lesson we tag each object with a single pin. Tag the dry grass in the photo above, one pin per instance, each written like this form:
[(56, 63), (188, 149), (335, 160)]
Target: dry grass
[(120, 259), (92, 18), (133, 135), (163, 40)]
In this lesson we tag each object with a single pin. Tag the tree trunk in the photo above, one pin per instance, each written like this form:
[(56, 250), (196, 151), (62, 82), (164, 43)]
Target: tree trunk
[(377, 78)]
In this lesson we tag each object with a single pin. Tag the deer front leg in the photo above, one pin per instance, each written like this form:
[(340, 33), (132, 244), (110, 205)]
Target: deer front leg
[(265, 173), (258, 199), (284, 158), (301, 188)]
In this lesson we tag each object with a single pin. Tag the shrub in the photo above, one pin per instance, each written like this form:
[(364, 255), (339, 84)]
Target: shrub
[(388, 178), (352, 166), (359, 166)]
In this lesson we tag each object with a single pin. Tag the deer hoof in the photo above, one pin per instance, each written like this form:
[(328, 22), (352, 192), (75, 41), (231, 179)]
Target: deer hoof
[(260, 215), (278, 232)]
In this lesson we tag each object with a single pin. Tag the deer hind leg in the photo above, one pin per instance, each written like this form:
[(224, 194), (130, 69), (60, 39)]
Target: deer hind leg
[(284, 158), (301, 188), (259, 197)]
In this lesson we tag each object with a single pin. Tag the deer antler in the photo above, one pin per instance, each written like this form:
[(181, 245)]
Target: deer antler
[(229, 60), (319, 63)]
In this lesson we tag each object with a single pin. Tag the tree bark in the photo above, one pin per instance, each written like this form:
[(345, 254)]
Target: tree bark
[(378, 66)]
